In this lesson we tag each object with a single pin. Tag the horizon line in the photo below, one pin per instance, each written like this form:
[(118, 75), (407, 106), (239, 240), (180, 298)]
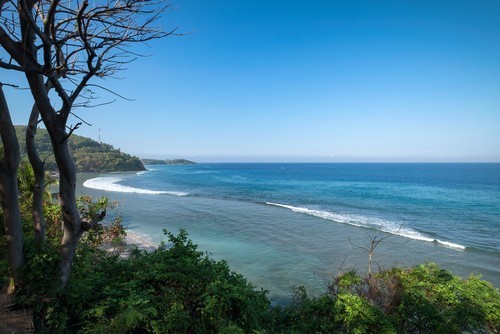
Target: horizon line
[(247, 159)]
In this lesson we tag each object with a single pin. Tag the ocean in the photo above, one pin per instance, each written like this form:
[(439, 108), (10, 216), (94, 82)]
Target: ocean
[(286, 224)]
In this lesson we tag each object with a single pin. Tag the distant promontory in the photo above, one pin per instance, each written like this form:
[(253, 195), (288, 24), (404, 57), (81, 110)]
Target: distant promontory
[(167, 162), (89, 155)]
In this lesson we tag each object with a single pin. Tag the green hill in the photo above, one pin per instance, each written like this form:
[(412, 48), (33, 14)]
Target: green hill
[(89, 155)]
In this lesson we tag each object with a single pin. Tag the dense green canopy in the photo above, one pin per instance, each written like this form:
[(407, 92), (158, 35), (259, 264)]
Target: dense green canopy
[(89, 155)]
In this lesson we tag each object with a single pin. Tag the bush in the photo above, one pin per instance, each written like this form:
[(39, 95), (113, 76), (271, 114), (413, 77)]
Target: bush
[(433, 300), (178, 289), (170, 290), (345, 312), (423, 299)]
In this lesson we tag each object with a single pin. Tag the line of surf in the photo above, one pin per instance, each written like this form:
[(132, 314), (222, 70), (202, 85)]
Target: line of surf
[(109, 183), (376, 223)]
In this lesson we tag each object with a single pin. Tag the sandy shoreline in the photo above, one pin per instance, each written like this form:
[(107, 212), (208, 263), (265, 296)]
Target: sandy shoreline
[(139, 241), (132, 240)]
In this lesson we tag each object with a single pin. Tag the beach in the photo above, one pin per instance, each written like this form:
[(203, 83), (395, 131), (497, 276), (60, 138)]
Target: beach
[(140, 241)]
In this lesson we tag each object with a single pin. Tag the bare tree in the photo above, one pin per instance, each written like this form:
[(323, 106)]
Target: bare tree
[(63, 45), (370, 245), (381, 291)]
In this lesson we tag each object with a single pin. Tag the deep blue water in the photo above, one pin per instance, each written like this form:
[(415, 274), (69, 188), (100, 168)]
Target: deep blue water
[(286, 223)]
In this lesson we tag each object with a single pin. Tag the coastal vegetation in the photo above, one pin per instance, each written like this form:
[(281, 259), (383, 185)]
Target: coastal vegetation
[(179, 289), (89, 155)]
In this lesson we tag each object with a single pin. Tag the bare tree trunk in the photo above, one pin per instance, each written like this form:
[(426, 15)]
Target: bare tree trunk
[(72, 223), (72, 227), (56, 127), (39, 224), (9, 192)]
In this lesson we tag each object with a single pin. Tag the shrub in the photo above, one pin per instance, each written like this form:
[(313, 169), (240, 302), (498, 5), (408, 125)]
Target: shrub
[(170, 290), (178, 289), (423, 299), (433, 300)]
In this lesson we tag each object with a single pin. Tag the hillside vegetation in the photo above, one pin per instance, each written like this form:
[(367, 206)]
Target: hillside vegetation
[(89, 155)]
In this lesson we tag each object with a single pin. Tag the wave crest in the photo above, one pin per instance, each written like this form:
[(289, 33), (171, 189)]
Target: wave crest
[(362, 221), (108, 183)]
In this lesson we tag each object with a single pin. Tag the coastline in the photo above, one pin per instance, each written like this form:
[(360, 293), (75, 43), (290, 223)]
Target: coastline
[(134, 239), (276, 249)]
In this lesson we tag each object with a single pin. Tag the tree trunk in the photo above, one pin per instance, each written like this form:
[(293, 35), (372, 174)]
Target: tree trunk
[(56, 127), (72, 223), (39, 224), (9, 192), (72, 227)]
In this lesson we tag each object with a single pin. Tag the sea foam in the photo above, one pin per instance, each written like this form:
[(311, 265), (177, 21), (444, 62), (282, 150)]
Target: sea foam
[(108, 183), (376, 223)]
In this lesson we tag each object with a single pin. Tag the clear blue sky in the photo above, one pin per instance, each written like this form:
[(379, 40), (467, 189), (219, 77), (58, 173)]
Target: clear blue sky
[(311, 81)]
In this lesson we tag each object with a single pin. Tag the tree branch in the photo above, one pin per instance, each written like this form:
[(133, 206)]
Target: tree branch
[(11, 152), (28, 16), (73, 128), (88, 224), (18, 68)]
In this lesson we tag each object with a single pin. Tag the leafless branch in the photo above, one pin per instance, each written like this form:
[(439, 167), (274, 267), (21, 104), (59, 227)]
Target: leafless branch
[(88, 105), (110, 91), (371, 244), (7, 84), (76, 41), (79, 123), (72, 129)]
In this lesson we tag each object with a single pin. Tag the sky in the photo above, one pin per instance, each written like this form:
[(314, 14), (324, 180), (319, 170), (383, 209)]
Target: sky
[(308, 81)]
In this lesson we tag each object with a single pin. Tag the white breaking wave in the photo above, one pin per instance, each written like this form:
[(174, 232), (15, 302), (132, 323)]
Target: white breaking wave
[(362, 221), (111, 184)]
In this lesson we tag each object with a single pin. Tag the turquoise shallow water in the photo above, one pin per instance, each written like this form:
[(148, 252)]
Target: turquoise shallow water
[(287, 224)]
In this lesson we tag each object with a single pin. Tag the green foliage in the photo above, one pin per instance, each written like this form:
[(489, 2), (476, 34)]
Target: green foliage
[(482, 293), (40, 288), (343, 313), (25, 181), (53, 215), (26, 184), (39, 270), (111, 233), (170, 290), (423, 299), (88, 155), (434, 300)]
